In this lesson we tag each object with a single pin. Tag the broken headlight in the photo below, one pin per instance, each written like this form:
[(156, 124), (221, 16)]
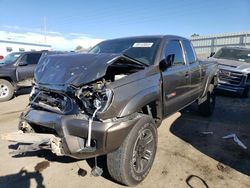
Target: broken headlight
[(95, 96), (104, 101)]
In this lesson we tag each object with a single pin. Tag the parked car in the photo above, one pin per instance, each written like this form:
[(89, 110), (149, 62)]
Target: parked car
[(234, 69), (111, 100), (17, 71)]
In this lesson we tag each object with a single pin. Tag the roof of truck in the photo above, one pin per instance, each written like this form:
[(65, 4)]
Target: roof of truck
[(151, 36)]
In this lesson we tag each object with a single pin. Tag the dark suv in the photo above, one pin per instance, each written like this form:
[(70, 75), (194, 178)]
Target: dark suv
[(17, 71)]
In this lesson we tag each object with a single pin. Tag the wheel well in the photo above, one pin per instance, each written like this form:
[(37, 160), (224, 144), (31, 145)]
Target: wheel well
[(153, 109), (8, 79)]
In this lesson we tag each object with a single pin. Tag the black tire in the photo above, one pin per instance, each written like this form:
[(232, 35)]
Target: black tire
[(6, 90), (207, 107), (122, 163), (245, 92)]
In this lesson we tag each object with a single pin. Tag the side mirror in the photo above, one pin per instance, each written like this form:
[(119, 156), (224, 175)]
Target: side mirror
[(22, 63), (211, 54), (167, 62)]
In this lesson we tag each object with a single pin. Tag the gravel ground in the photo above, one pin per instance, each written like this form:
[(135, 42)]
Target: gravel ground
[(191, 152)]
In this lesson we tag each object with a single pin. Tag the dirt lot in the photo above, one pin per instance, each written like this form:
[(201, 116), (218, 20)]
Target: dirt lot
[(186, 157)]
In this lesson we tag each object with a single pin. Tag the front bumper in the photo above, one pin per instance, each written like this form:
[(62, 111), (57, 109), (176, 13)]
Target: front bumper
[(233, 81), (234, 89), (73, 132)]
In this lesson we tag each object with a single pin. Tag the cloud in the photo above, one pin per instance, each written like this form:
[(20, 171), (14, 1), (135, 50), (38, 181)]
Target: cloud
[(58, 40), (17, 28)]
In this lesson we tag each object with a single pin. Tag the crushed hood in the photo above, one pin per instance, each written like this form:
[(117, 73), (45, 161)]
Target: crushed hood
[(73, 69), (232, 64)]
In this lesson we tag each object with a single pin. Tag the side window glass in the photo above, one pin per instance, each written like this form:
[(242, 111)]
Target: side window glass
[(33, 58), (189, 52), (174, 48), (24, 59)]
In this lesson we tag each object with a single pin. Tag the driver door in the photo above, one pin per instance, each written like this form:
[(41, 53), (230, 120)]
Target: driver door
[(176, 79), (26, 67)]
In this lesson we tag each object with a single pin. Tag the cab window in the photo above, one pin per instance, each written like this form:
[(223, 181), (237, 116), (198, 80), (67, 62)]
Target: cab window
[(174, 48)]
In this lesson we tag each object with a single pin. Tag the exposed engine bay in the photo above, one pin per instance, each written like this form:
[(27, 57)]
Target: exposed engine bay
[(97, 93), (89, 96)]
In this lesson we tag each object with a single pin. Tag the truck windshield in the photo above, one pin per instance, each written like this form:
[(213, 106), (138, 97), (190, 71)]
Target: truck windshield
[(141, 49), (234, 54), (11, 58)]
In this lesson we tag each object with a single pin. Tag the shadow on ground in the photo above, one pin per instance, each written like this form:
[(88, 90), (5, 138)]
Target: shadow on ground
[(49, 156), (22, 179), (232, 115), (23, 91)]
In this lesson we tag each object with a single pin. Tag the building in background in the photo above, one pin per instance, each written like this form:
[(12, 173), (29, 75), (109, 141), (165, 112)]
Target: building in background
[(205, 45), (8, 46)]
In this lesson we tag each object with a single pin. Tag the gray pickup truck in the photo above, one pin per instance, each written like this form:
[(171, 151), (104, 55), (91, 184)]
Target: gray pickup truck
[(234, 70), (111, 100)]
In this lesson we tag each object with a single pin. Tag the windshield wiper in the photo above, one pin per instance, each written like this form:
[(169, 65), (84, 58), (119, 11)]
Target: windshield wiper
[(135, 60)]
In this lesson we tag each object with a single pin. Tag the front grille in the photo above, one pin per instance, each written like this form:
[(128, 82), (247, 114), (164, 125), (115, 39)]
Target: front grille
[(230, 77), (55, 102)]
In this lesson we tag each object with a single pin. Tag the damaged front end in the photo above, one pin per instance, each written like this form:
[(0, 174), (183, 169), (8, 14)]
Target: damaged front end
[(70, 99)]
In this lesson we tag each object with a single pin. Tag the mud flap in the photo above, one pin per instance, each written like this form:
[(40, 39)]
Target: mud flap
[(29, 142), (204, 98)]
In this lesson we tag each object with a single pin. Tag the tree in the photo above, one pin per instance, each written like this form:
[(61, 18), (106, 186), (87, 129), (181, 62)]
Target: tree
[(79, 48), (195, 35)]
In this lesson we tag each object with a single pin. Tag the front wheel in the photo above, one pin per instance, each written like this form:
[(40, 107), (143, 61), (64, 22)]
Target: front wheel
[(207, 107), (6, 90), (132, 161)]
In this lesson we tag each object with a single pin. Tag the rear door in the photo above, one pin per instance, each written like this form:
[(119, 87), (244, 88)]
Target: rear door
[(176, 79), (26, 67), (195, 69)]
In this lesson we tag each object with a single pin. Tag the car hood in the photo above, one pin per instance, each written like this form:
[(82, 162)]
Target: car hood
[(72, 69), (232, 64)]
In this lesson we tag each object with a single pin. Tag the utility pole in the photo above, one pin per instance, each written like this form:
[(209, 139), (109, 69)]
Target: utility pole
[(45, 29)]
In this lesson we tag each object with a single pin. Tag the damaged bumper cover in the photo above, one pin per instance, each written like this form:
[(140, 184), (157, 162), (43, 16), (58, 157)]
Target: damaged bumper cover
[(72, 133)]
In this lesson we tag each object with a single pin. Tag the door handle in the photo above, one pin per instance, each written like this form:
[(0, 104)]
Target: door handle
[(187, 74)]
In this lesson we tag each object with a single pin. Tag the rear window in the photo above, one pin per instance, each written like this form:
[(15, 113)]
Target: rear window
[(31, 58), (189, 52)]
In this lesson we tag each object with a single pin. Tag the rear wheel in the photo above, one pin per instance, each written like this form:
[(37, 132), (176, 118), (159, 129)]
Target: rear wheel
[(132, 161), (207, 107), (6, 90)]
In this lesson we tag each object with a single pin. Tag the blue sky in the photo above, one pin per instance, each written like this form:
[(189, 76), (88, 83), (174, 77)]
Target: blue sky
[(111, 19)]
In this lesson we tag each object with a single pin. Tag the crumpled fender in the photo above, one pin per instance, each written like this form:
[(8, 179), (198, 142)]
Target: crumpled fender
[(139, 100)]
